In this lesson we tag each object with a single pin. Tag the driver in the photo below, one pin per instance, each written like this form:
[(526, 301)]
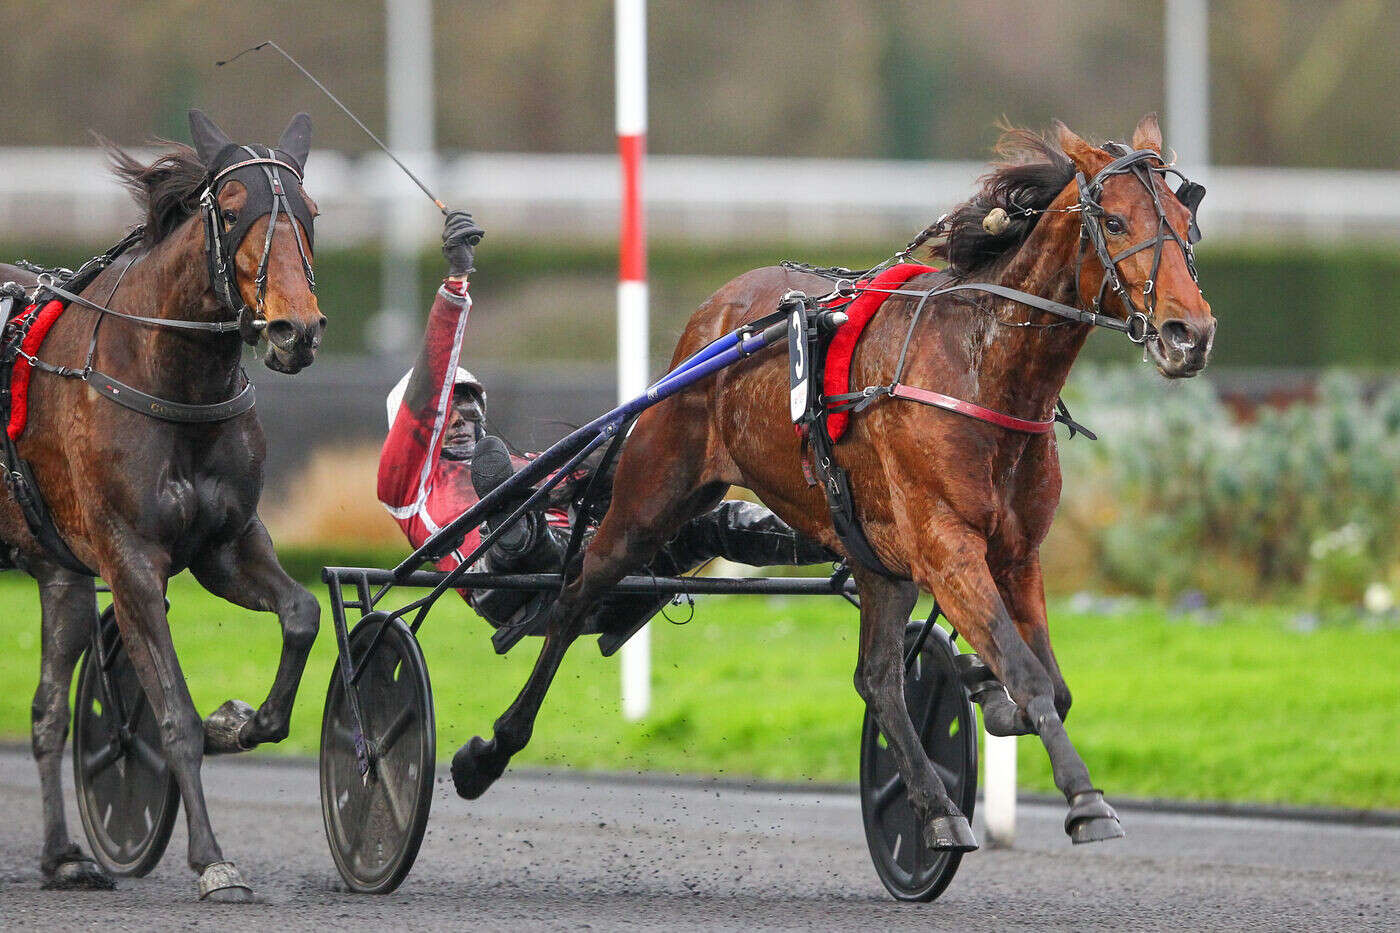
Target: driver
[(438, 461)]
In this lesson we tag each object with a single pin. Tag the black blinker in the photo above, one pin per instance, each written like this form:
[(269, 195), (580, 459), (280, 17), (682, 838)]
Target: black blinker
[(1191, 194)]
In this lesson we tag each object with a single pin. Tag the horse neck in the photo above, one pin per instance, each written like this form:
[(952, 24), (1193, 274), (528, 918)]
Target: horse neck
[(170, 281), (1023, 369)]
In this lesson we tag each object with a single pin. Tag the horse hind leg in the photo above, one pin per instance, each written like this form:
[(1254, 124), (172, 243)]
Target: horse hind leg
[(652, 496), (69, 607), (884, 609)]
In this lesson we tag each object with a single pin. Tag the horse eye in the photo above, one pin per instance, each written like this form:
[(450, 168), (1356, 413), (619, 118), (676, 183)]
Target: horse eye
[(230, 217), (1114, 225)]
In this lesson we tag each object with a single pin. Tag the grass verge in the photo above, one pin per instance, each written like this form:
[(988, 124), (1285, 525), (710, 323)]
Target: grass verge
[(1247, 709)]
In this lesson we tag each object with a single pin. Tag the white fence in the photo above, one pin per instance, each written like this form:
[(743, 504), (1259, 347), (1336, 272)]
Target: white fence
[(53, 195)]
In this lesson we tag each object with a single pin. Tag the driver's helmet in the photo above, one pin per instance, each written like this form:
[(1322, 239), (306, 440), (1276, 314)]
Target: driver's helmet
[(462, 378)]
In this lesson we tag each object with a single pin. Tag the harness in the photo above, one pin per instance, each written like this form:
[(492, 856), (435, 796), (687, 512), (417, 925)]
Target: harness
[(811, 409), (260, 172)]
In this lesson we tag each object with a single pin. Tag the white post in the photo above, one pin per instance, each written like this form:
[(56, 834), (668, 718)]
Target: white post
[(999, 788), (633, 364), (1187, 81), (408, 40)]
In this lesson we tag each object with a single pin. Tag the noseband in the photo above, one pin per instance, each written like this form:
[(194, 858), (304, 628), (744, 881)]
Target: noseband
[(1092, 235), (260, 173)]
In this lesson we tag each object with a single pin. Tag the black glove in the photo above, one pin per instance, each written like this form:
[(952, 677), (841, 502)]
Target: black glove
[(460, 234)]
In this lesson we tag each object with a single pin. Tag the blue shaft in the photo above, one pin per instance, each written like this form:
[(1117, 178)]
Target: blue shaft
[(718, 345)]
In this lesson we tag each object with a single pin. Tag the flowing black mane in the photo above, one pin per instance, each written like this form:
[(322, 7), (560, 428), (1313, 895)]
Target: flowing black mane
[(1033, 171), (168, 188)]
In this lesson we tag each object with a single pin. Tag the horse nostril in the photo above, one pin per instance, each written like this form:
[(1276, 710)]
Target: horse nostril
[(281, 333), (1179, 334)]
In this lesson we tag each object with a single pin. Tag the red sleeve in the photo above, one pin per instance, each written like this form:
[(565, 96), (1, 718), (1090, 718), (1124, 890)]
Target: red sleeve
[(411, 451)]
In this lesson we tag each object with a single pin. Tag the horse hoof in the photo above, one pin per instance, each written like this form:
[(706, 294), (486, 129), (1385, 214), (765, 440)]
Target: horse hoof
[(473, 769), (950, 832), (222, 728), (79, 874), (1091, 819), (222, 884)]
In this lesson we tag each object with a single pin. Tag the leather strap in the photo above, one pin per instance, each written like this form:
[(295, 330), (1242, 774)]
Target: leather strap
[(218, 327), (970, 409), (166, 410)]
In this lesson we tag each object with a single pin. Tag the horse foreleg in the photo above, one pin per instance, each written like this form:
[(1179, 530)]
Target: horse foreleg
[(246, 572), (69, 610), (954, 568), (884, 611), (138, 595), (1023, 589)]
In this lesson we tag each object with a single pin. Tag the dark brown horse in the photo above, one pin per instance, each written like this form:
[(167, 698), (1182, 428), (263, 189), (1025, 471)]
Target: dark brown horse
[(953, 506), (139, 499)]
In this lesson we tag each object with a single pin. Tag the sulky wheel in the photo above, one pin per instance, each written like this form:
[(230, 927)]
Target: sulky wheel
[(127, 797), (375, 822), (942, 715)]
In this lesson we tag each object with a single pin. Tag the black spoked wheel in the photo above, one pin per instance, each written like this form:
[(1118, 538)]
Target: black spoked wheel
[(127, 797), (942, 714), (375, 823)]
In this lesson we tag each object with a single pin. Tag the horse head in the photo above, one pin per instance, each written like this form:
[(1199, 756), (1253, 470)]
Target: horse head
[(1142, 233), (258, 238)]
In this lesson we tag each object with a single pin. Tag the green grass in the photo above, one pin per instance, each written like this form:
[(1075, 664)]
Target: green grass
[(1247, 709)]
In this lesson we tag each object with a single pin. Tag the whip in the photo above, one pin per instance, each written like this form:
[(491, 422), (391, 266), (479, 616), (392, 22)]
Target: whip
[(344, 109)]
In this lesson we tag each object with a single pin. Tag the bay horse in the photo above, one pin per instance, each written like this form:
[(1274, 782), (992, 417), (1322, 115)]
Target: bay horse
[(952, 505), (225, 253)]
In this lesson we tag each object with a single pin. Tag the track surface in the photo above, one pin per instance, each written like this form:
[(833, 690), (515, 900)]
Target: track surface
[(544, 851)]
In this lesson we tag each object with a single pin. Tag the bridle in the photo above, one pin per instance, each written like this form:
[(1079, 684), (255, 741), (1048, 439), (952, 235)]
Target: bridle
[(260, 173), (1136, 325), (221, 242), (1137, 162)]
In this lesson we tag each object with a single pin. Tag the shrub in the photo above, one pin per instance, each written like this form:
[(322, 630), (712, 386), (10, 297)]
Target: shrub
[(1179, 495)]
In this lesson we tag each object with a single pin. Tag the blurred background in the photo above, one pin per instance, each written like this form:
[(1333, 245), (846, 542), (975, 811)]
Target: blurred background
[(1251, 512)]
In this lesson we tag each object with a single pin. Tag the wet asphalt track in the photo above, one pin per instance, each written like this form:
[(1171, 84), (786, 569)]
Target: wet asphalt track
[(613, 854)]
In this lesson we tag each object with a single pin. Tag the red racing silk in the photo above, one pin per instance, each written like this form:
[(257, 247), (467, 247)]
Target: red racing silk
[(422, 490)]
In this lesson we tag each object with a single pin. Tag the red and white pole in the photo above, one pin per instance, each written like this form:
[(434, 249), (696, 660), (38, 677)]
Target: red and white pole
[(633, 363)]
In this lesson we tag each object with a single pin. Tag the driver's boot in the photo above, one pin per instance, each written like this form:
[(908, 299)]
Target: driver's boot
[(744, 533), (527, 544)]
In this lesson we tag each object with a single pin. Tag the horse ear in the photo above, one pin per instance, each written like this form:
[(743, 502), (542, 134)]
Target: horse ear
[(296, 139), (1085, 156), (1148, 134), (209, 140)]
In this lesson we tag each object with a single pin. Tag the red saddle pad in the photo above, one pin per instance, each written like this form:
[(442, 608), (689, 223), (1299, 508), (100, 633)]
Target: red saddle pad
[(837, 378)]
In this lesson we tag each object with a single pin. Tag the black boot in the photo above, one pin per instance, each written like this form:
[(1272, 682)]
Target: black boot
[(745, 533), (491, 467)]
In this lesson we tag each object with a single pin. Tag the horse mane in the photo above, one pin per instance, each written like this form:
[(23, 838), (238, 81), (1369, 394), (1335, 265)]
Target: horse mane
[(167, 188), (1032, 171)]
